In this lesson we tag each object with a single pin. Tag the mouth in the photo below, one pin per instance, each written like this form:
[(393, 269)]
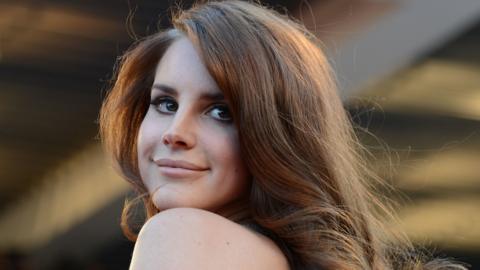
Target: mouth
[(178, 168)]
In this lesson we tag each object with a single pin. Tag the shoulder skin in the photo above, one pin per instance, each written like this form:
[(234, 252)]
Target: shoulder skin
[(188, 238)]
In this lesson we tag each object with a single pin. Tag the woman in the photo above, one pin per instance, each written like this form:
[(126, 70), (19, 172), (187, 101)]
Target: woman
[(230, 128)]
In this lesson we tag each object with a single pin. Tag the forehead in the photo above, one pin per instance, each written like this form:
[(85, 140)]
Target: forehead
[(182, 68)]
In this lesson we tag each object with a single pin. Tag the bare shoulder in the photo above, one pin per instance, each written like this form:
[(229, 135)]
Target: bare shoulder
[(188, 238)]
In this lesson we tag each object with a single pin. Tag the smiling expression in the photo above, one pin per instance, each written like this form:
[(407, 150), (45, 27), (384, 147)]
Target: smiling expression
[(188, 147)]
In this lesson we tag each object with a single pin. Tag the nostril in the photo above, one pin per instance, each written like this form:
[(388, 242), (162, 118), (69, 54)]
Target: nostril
[(181, 143), (174, 140), (168, 139), (165, 139)]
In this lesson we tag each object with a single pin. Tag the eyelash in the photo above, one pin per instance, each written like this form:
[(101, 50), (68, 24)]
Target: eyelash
[(158, 101)]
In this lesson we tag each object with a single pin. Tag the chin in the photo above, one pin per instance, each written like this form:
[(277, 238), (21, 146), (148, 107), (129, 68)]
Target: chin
[(168, 202)]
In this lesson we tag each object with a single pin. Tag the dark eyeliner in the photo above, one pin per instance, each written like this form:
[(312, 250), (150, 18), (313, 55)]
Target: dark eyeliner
[(157, 101), (223, 107)]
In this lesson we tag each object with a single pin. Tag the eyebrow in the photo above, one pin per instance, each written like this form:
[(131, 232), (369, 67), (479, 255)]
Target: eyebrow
[(204, 96)]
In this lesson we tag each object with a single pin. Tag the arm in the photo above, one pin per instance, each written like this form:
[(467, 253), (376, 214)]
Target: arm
[(187, 238)]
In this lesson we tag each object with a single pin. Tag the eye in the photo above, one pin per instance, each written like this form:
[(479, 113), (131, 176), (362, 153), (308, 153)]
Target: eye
[(164, 104), (221, 112)]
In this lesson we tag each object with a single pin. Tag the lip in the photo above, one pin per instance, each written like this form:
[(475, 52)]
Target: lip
[(178, 168), (181, 164)]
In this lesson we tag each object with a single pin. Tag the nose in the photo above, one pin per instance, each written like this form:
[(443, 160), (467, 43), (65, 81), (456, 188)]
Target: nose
[(180, 134)]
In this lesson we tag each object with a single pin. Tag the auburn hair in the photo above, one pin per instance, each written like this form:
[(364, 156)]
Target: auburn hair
[(311, 190)]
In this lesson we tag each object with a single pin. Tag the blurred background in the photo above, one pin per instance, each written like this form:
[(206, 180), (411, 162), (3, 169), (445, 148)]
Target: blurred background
[(409, 73)]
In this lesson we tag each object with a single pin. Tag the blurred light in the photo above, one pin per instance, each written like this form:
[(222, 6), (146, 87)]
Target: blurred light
[(451, 222), (68, 195), (442, 87)]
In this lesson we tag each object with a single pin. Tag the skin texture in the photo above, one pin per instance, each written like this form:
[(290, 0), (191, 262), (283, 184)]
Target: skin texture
[(187, 238), (180, 125)]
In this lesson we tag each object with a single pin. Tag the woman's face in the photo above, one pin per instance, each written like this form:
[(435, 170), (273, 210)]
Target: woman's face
[(188, 149)]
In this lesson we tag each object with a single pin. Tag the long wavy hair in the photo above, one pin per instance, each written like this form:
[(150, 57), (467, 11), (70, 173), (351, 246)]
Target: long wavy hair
[(312, 190)]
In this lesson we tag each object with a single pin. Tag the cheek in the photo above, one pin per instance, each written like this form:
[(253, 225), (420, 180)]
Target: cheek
[(149, 133), (225, 156), (223, 147), (143, 149)]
